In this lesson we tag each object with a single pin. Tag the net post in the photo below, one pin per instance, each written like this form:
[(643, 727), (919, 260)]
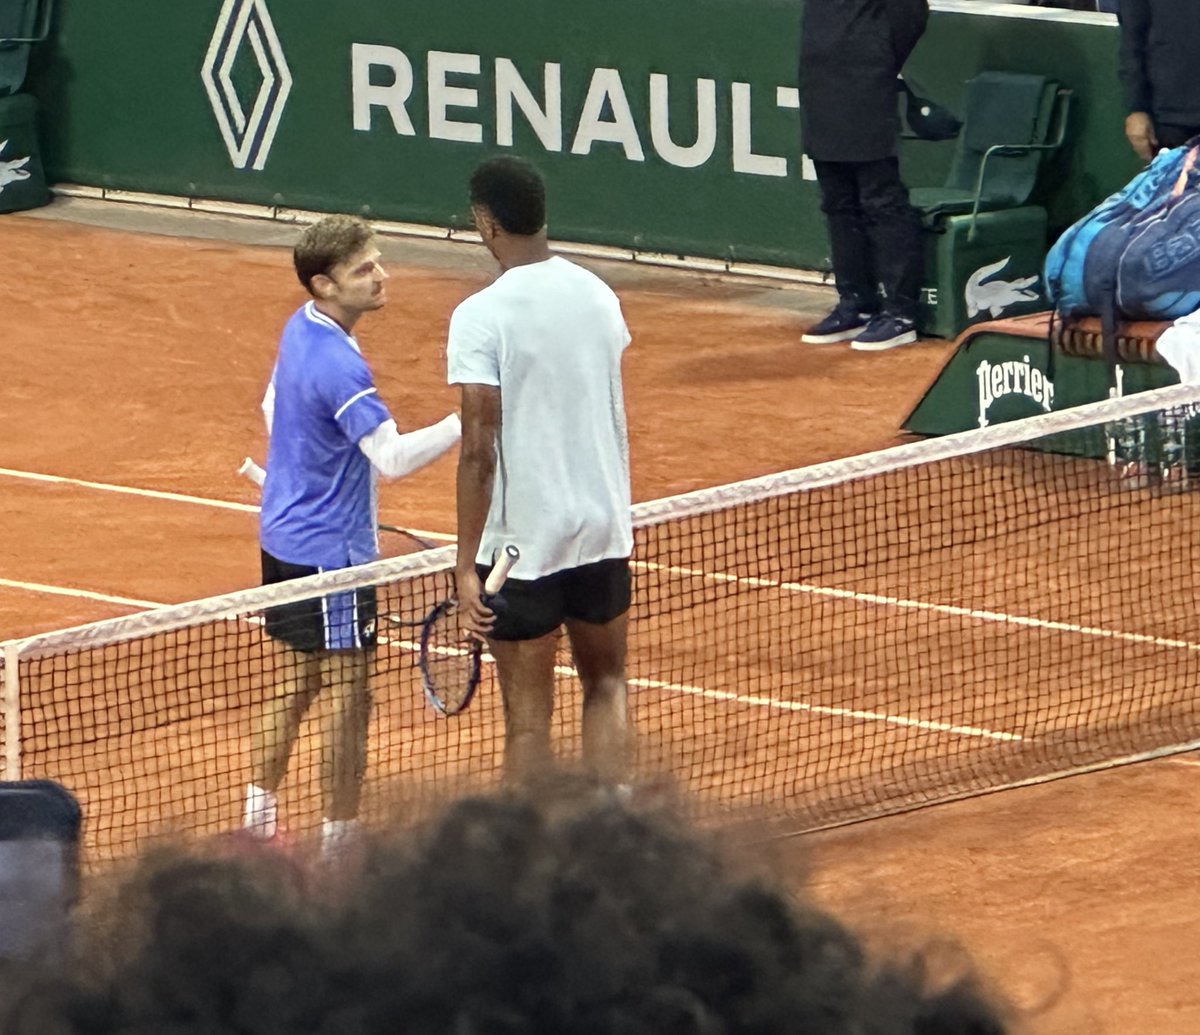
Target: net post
[(11, 706)]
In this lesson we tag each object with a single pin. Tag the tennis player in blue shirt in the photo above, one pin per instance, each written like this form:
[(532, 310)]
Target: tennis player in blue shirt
[(331, 436)]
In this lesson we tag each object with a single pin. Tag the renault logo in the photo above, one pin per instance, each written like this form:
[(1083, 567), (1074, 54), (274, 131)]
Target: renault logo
[(245, 37)]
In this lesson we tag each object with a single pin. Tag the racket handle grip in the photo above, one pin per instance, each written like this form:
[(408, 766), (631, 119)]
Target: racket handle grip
[(499, 573), (251, 470)]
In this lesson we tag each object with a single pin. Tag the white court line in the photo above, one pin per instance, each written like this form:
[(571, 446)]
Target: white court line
[(175, 497), (127, 490), (821, 709), (755, 700), (921, 605), (449, 652), (62, 591)]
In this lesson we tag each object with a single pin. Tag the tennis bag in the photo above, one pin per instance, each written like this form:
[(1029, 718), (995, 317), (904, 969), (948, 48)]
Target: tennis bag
[(1135, 255), (1082, 267), (1158, 272)]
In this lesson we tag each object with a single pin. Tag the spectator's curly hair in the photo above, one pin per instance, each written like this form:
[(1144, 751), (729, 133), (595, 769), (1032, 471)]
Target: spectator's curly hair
[(573, 914)]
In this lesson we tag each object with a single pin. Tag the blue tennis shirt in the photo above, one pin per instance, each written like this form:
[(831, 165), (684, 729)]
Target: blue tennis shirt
[(319, 499)]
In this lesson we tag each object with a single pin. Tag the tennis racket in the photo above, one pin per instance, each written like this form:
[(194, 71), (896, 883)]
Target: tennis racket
[(257, 474), (450, 657), (412, 537)]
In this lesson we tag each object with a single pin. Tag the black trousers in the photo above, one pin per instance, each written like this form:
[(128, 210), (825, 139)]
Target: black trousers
[(1174, 136), (874, 235)]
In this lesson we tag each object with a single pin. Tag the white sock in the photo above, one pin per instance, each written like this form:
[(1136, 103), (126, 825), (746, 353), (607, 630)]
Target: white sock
[(336, 834), (262, 809)]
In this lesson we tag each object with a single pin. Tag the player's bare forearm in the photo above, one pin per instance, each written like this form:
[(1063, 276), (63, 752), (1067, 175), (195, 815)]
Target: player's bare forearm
[(476, 467), (476, 472), (476, 475)]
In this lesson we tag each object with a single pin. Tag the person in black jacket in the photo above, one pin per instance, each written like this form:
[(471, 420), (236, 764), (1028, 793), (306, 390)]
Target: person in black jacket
[(1160, 44), (850, 54)]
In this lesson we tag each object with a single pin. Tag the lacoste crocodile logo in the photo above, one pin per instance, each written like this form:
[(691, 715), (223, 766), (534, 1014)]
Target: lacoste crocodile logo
[(996, 295), (12, 171)]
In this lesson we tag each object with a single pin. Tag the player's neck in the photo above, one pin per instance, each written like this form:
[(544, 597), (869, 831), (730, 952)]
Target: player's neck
[(516, 250), (343, 317)]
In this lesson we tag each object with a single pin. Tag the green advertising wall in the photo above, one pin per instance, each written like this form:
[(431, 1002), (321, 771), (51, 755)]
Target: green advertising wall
[(663, 126)]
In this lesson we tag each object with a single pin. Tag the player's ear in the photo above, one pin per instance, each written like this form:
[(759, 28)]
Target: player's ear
[(323, 286), (485, 222)]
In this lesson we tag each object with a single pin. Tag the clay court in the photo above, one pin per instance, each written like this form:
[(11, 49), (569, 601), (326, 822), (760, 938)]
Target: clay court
[(138, 343)]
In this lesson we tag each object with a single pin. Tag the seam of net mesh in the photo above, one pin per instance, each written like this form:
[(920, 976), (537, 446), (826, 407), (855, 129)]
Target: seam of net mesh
[(431, 562)]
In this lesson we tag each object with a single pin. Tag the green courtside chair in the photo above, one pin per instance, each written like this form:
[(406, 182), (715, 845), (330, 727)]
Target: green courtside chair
[(22, 23), (1010, 120), (984, 242)]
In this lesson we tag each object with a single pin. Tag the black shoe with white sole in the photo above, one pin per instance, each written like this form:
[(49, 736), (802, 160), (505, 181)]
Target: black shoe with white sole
[(844, 323), (885, 331)]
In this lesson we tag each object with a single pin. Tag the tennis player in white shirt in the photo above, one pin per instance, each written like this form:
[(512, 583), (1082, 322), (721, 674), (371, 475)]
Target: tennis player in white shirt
[(544, 466)]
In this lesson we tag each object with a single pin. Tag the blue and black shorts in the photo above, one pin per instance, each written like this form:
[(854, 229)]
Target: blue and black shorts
[(337, 621)]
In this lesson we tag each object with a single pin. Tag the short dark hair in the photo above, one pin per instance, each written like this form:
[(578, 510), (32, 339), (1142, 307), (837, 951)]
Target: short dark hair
[(513, 192), (328, 242)]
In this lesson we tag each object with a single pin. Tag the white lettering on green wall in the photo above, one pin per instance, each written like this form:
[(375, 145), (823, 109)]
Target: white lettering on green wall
[(455, 83), (697, 153), (744, 158), (393, 96), (544, 119), (607, 91), (443, 96)]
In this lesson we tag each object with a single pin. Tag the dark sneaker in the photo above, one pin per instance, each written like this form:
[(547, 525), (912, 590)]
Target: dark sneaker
[(841, 325), (885, 331)]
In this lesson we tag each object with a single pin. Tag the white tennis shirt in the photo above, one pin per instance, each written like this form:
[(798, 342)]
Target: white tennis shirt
[(550, 335)]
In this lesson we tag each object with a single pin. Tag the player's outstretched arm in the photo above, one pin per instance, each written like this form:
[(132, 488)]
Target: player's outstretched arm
[(394, 455)]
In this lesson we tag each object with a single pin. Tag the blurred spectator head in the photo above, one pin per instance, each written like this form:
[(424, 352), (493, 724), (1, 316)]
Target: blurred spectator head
[(572, 913)]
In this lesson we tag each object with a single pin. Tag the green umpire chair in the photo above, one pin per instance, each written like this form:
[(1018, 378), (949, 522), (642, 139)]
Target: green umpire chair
[(22, 180), (984, 242)]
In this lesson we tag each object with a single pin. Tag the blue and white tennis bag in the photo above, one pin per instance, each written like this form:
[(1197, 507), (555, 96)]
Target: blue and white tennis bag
[(1158, 275), (1137, 253)]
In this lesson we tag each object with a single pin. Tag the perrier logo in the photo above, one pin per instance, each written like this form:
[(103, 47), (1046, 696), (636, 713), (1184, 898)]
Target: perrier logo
[(247, 80)]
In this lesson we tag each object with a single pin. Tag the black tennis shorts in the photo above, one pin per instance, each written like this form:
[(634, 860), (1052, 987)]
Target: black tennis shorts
[(595, 593), (338, 621)]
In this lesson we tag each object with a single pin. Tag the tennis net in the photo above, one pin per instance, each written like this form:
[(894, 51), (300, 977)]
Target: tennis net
[(937, 620)]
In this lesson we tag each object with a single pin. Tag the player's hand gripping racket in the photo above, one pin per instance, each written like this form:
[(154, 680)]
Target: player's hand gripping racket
[(450, 655)]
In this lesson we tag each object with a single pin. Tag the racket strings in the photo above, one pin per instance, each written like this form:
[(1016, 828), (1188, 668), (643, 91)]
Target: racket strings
[(450, 661)]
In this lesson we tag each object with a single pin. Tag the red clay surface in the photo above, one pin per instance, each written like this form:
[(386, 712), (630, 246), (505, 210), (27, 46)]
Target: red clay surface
[(139, 361)]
